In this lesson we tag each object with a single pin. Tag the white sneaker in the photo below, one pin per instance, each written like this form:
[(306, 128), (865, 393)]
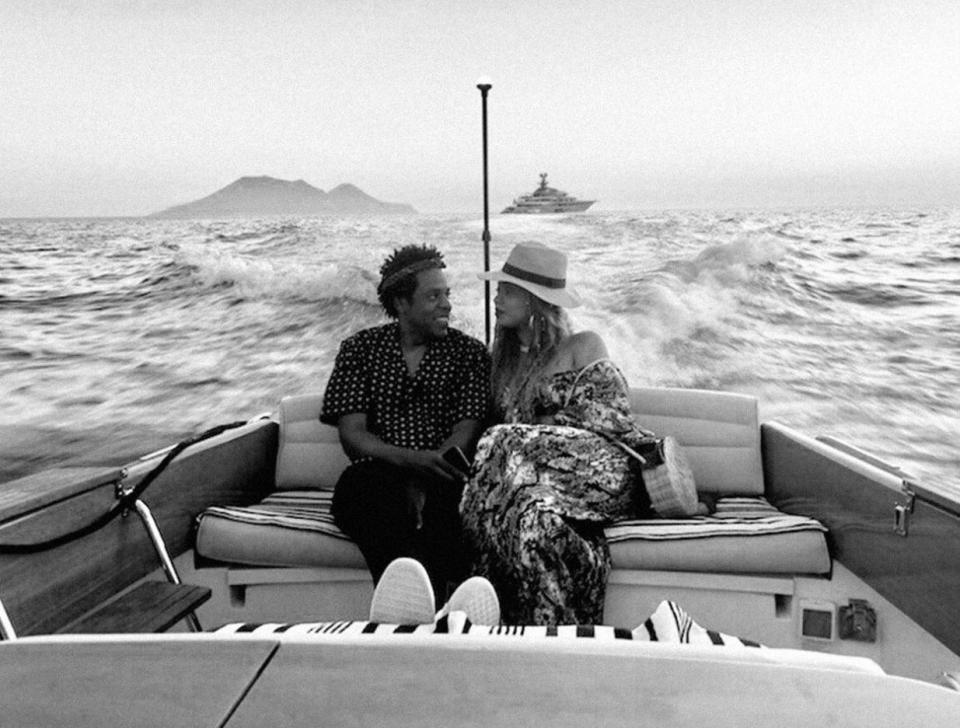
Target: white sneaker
[(403, 594), (476, 598)]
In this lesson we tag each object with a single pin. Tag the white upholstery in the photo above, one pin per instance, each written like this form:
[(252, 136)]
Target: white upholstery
[(295, 529), (719, 431), (289, 528), (797, 552), (309, 454)]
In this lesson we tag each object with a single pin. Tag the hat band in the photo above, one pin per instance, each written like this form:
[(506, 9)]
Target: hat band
[(529, 277)]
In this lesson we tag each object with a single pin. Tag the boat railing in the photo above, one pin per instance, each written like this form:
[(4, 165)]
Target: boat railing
[(7, 632), (867, 457), (910, 485), (126, 499)]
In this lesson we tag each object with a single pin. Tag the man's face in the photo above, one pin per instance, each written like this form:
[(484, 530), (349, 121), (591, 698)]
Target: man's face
[(427, 313)]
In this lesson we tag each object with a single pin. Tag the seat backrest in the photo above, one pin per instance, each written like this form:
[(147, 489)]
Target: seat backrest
[(719, 431), (309, 454)]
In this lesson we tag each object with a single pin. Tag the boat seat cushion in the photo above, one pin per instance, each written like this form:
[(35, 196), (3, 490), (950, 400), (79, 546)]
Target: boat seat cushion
[(309, 454), (719, 432), (745, 536), (288, 528)]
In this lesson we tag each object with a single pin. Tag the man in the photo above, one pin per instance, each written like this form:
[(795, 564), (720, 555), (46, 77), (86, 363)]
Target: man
[(401, 395)]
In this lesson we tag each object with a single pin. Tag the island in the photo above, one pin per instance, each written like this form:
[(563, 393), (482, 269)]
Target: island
[(268, 196)]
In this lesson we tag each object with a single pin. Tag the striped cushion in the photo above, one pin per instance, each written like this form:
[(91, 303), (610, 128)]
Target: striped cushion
[(295, 528), (288, 528), (745, 535), (733, 517), (297, 510), (669, 623)]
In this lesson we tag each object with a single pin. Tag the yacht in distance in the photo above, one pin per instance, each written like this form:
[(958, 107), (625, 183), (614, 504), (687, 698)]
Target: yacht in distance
[(546, 200)]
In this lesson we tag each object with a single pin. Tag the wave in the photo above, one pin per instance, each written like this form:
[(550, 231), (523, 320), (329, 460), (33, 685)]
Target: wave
[(280, 279), (732, 263), (666, 322)]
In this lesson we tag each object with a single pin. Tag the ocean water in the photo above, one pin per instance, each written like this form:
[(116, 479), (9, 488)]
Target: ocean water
[(121, 336)]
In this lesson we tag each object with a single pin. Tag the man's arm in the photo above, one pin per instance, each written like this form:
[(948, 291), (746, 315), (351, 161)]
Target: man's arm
[(473, 401), (358, 441)]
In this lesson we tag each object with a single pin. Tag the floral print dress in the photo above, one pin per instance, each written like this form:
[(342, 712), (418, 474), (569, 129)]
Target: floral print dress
[(539, 497)]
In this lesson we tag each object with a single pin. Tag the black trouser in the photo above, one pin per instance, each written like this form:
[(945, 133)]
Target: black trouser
[(371, 506)]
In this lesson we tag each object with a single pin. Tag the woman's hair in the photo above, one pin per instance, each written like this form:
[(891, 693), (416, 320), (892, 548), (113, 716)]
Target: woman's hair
[(516, 373), (398, 274)]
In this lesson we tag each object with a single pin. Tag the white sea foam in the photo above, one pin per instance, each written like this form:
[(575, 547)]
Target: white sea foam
[(282, 278)]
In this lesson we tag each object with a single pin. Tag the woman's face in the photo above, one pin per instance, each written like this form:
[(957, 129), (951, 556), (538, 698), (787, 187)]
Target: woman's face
[(512, 306)]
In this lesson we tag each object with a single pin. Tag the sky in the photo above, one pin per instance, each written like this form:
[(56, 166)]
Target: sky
[(126, 107)]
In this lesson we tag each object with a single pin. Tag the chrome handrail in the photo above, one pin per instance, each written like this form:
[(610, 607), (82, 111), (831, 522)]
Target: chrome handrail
[(7, 632)]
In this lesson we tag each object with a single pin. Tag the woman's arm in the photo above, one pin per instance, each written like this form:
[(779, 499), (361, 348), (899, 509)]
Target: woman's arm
[(577, 352), (586, 347), (598, 401)]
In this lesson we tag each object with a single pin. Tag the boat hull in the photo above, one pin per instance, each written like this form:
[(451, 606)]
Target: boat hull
[(918, 636), (547, 209), (44, 592)]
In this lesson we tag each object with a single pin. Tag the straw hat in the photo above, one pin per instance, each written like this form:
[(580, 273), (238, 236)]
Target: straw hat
[(540, 270)]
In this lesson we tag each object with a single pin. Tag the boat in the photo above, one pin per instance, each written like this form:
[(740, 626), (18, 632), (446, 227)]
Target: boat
[(207, 585), (546, 199), (135, 596)]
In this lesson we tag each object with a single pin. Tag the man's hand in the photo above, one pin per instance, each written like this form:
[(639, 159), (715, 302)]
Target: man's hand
[(357, 441), (431, 462)]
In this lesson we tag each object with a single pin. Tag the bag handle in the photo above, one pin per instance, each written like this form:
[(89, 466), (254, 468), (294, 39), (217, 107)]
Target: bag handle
[(623, 380), (592, 364)]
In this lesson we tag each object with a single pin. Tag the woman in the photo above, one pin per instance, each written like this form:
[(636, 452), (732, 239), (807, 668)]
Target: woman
[(559, 468)]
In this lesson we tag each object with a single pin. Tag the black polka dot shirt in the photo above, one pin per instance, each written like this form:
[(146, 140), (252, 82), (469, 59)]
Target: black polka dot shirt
[(419, 412)]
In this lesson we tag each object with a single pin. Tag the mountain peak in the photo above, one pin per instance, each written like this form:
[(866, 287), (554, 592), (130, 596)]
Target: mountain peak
[(349, 191), (260, 196), (266, 182)]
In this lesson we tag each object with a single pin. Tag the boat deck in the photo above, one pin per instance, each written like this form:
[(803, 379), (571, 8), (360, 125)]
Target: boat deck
[(205, 680)]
